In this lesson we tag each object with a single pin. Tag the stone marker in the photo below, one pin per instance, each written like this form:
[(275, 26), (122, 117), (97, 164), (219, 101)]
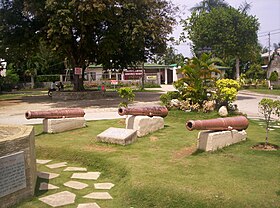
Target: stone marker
[(75, 185), (144, 124), (75, 169), (42, 162), (103, 185), (117, 136), (213, 140), (47, 186), (86, 176), (88, 205), (59, 199), (46, 175), (57, 165), (98, 195)]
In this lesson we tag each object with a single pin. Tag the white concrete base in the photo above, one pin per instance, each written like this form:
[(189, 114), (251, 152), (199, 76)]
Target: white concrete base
[(63, 124), (144, 124), (213, 140)]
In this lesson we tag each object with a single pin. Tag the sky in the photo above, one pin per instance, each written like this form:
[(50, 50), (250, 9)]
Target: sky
[(266, 11)]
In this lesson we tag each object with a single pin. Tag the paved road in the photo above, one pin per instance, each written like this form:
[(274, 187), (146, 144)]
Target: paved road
[(12, 112)]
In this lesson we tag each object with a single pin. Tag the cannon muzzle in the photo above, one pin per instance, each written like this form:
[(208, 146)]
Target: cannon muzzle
[(144, 111), (220, 124), (60, 113)]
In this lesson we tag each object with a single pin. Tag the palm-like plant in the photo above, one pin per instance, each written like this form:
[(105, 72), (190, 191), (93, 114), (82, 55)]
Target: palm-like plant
[(208, 5), (197, 77)]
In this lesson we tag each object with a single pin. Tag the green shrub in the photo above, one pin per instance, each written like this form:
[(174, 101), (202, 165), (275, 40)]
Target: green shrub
[(226, 91), (166, 98), (47, 78), (126, 93), (273, 76), (10, 81)]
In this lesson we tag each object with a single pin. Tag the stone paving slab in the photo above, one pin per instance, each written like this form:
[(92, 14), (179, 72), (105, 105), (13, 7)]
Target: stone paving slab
[(75, 185), (75, 169), (42, 161), (47, 186), (88, 205), (98, 195), (57, 165), (47, 175), (59, 199), (86, 176), (117, 136), (103, 185)]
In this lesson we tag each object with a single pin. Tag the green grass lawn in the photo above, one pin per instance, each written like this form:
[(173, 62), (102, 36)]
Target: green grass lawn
[(266, 91), (160, 170)]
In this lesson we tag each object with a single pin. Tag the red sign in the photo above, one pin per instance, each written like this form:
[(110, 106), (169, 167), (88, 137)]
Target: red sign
[(114, 82), (78, 71)]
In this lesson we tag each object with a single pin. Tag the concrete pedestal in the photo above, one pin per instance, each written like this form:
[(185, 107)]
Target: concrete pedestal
[(213, 140), (63, 124), (144, 124)]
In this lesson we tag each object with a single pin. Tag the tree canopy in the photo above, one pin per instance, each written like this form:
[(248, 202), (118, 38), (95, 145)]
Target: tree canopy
[(227, 31), (109, 32)]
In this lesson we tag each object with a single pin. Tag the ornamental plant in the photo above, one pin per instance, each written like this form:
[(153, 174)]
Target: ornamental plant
[(126, 93), (226, 91), (268, 107)]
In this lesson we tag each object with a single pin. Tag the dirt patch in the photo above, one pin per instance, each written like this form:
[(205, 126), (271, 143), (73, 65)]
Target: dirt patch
[(99, 148), (10, 102), (153, 138), (268, 147), (186, 151)]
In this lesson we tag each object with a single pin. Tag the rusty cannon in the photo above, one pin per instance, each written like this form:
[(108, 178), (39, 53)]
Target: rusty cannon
[(219, 124), (144, 111), (52, 114)]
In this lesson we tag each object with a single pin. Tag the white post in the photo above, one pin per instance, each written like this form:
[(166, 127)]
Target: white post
[(165, 76)]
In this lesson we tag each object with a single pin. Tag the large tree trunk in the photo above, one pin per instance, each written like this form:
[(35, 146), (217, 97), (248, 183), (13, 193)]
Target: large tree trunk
[(237, 69), (78, 83)]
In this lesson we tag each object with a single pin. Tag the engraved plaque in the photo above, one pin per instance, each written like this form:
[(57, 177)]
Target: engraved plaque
[(12, 173)]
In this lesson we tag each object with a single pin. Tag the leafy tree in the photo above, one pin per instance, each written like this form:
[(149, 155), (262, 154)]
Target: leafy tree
[(227, 31), (170, 57), (115, 34), (255, 71), (197, 78), (126, 93)]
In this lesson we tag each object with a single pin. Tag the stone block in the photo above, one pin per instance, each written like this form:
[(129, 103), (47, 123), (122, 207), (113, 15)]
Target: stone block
[(17, 164), (144, 124), (117, 136), (213, 140), (63, 124)]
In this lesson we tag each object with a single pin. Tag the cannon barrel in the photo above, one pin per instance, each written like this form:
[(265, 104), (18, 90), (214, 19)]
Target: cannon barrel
[(221, 124), (60, 113), (144, 111)]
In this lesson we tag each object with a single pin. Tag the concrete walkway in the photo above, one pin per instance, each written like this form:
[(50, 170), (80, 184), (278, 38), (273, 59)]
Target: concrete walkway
[(247, 103)]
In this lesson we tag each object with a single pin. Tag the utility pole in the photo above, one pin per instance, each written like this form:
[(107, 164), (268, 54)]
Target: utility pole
[(268, 47)]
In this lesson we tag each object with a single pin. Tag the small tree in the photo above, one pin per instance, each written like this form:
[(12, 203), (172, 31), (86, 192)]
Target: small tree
[(127, 95), (268, 107)]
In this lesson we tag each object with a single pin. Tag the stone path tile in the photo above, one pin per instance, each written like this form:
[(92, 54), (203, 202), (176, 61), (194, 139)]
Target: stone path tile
[(87, 176), (47, 175), (75, 185), (42, 161), (103, 185), (88, 205), (98, 195), (59, 199), (57, 165), (47, 186), (75, 169)]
